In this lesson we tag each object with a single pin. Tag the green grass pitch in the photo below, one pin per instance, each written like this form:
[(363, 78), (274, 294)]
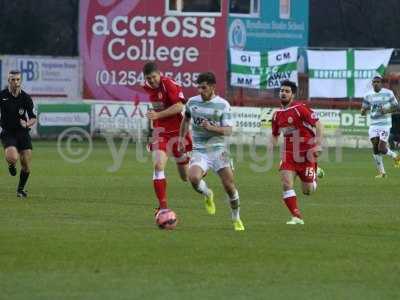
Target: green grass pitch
[(87, 233)]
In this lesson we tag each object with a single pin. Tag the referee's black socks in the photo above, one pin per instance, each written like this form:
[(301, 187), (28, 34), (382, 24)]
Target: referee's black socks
[(23, 178)]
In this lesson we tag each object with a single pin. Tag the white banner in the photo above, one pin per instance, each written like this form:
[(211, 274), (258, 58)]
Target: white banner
[(257, 70), (120, 117), (256, 120), (46, 76), (64, 119), (344, 73), (246, 119)]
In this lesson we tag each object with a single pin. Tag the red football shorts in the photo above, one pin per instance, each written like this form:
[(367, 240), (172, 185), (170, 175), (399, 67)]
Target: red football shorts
[(305, 169), (169, 144)]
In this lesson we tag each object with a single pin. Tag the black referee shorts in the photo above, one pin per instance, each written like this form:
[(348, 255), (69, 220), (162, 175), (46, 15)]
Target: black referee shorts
[(20, 139)]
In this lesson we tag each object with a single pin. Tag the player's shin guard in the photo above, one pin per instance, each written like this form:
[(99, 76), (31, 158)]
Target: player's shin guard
[(160, 188), (289, 197), (234, 202), (23, 178), (202, 188), (379, 163)]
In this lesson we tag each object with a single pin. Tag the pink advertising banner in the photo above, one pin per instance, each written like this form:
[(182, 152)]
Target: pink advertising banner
[(118, 36)]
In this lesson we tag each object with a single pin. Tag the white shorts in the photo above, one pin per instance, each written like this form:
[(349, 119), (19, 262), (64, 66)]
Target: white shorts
[(214, 160), (382, 132)]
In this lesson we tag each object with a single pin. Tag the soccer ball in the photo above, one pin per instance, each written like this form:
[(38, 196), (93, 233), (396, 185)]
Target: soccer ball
[(166, 219)]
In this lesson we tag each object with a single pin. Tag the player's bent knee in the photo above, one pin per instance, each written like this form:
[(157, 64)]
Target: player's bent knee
[(382, 149), (194, 179), (12, 159)]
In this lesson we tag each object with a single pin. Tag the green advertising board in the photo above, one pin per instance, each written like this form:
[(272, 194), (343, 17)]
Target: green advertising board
[(353, 123), (350, 122), (53, 119)]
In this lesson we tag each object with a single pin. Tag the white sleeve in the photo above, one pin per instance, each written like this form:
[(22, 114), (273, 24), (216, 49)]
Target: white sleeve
[(226, 118)]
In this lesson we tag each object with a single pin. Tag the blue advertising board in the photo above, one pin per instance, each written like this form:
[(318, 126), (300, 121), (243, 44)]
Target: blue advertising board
[(272, 24)]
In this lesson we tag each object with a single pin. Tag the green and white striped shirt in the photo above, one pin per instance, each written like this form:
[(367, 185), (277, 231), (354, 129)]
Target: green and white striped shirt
[(218, 112), (375, 101)]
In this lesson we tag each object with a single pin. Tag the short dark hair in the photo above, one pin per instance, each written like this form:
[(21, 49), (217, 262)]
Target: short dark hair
[(378, 76), (14, 72), (291, 84), (149, 68), (207, 77)]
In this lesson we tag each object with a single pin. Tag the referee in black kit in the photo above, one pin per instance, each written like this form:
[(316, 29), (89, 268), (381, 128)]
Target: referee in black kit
[(17, 117)]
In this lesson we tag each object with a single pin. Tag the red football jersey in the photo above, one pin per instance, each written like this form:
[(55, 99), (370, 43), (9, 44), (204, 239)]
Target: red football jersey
[(296, 123), (167, 94)]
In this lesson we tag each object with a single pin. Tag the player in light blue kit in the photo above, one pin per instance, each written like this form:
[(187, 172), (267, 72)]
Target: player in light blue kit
[(380, 103), (210, 116)]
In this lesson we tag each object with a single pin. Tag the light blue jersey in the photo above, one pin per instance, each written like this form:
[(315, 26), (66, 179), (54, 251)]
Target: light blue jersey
[(375, 101), (218, 112)]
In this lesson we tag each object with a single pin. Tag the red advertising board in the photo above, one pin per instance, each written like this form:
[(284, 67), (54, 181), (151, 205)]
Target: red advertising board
[(118, 36)]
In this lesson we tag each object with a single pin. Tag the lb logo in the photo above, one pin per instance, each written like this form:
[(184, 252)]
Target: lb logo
[(30, 69)]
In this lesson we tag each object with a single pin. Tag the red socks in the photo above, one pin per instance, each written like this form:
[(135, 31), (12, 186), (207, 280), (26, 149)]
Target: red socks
[(289, 197), (160, 188)]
